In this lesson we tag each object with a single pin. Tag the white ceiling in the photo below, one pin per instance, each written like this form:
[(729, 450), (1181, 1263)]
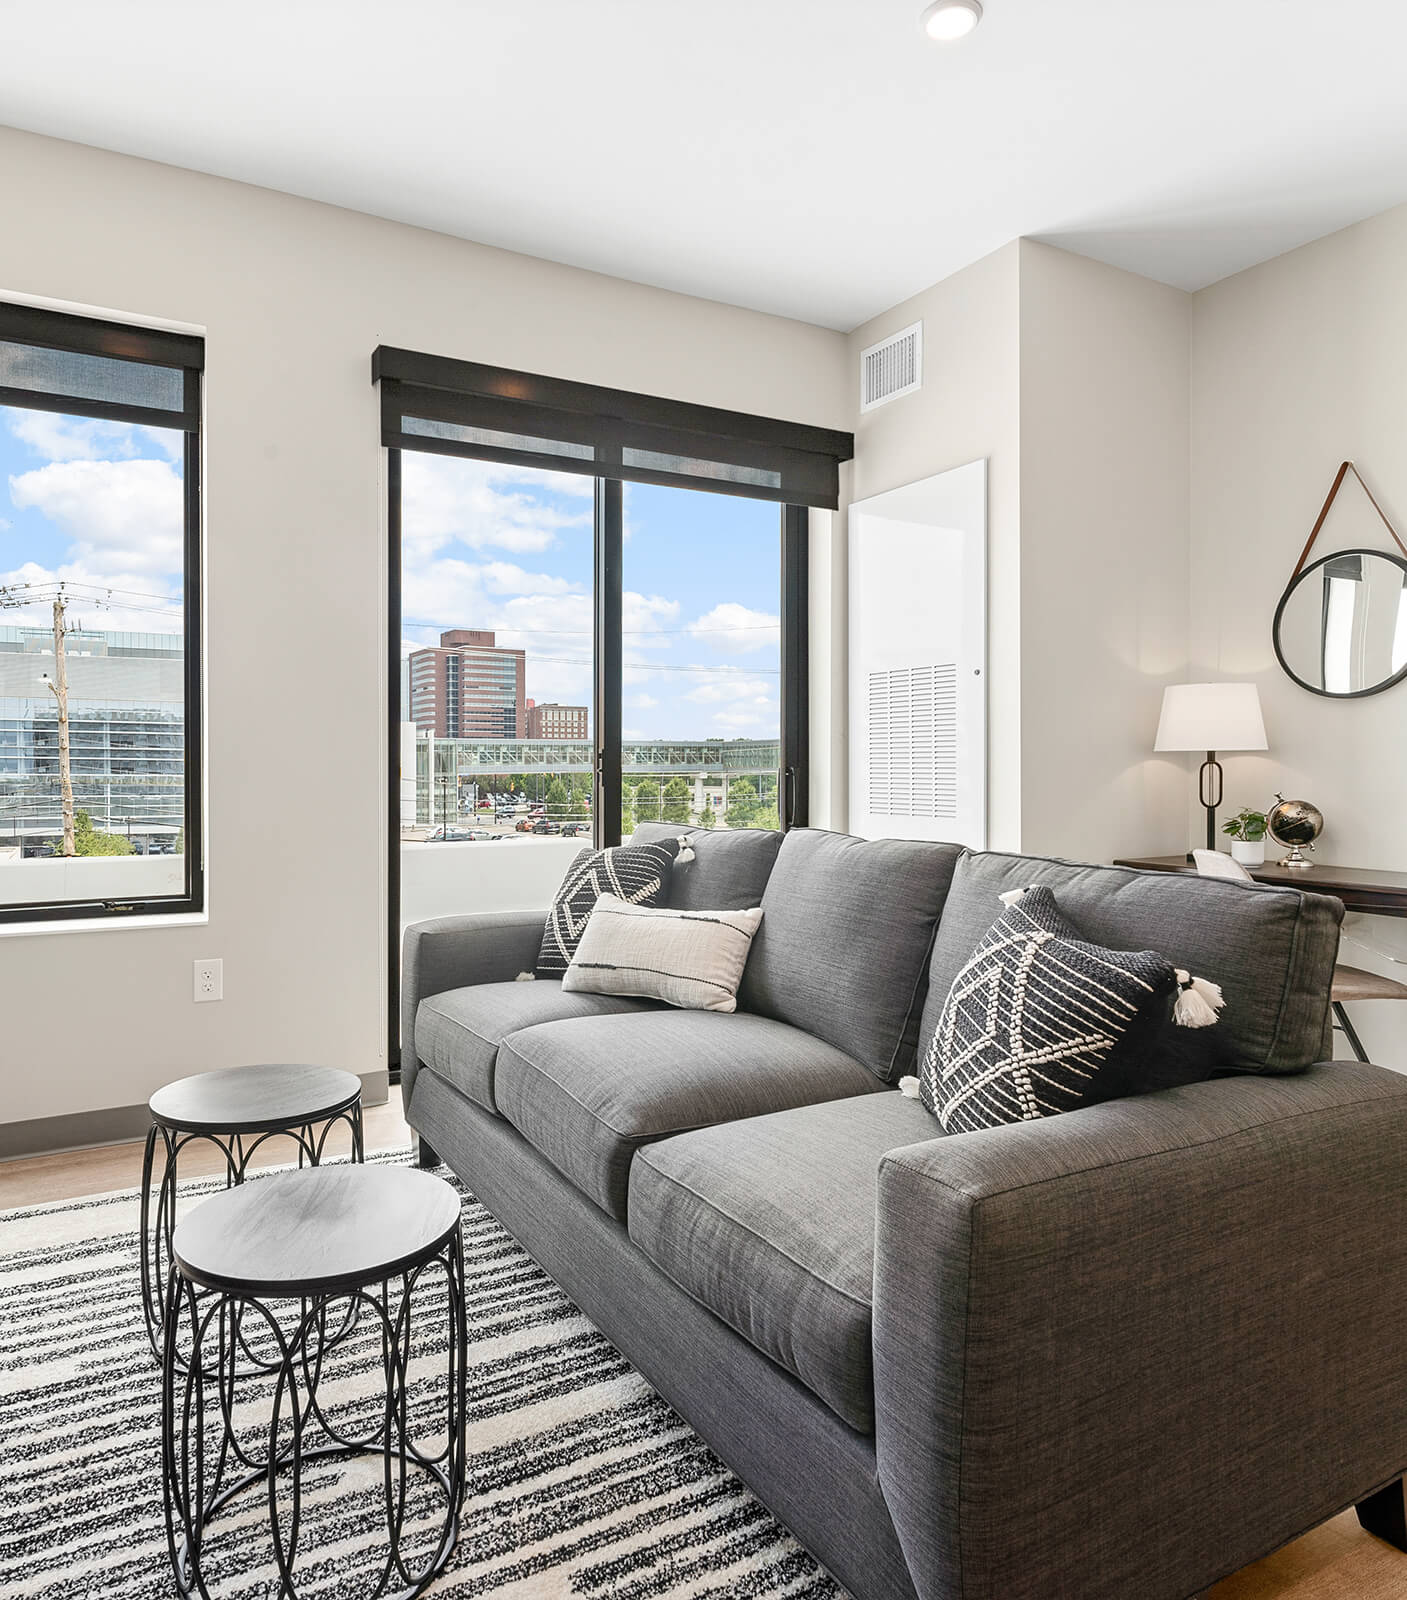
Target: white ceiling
[(816, 158)]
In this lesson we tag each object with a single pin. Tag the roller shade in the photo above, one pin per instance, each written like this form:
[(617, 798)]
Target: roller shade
[(50, 361), (463, 408)]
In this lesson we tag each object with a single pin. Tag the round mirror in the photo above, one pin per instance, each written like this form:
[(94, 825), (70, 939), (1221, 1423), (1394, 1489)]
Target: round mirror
[(1341, 626)]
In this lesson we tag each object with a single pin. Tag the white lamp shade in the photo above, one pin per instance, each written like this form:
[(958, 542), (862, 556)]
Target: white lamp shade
[(1211, 716)]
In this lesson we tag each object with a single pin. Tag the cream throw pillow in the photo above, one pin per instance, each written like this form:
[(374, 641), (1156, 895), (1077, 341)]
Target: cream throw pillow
[(692, 959)]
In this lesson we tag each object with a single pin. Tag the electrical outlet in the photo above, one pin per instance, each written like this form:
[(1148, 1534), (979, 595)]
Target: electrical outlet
[(209, 980)]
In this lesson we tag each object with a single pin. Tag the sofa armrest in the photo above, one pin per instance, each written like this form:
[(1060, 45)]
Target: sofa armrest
[(1130, 1349), (453, 952)]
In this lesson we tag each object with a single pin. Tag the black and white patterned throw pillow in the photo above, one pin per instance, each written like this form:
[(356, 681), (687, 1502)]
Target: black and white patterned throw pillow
[(635, 873), (1041, 1021)]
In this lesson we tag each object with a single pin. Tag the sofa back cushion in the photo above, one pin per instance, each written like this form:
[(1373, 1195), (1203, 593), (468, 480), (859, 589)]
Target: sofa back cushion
[(844, 946), (729, 871), (1271, 950)]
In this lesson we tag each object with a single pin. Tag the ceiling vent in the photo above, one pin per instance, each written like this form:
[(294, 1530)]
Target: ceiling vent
[(891, 368)]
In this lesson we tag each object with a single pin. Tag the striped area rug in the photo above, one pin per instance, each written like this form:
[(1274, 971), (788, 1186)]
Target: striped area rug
[(582, 1481)]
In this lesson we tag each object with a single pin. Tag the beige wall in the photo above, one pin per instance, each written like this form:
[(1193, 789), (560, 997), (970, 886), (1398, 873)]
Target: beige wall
[(1070, 377), (1298, 365), (1104, 570), (294, 296), (967, 410)]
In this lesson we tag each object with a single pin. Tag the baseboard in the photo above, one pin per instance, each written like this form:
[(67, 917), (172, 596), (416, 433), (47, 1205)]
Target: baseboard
[(82, 1130)]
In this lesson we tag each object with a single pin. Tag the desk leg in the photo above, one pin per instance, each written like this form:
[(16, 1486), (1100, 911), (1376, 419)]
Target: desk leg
[(1349, 1031), (1384, 1515)]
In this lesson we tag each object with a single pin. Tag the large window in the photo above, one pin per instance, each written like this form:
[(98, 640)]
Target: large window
[(597, 620), (99, 612)]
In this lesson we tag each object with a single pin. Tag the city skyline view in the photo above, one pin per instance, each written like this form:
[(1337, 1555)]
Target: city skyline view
[(489, 546)]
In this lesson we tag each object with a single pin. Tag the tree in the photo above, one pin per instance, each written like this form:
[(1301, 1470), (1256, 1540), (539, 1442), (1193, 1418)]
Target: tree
[(675, 805), (581, 796), (767, 818), (648, 806), (743, 805), (87, 841), (557, 800), (707, 818), (627, 811)]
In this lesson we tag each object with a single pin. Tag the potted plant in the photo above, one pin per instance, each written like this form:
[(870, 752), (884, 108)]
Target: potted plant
[(1247, 830)]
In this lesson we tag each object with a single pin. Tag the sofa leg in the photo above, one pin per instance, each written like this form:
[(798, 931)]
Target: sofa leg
[(1384, 1515), (423, 1152)]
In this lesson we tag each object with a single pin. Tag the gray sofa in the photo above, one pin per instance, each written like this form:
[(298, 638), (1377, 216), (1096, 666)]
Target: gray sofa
[(1116, 1353)]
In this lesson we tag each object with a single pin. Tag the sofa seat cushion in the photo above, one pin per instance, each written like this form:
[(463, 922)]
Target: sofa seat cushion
[(588, 1093), (770, 1225), (458, 1033)]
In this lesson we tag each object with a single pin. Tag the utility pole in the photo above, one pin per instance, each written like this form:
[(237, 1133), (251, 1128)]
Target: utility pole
[(59, 684), (17, 596)]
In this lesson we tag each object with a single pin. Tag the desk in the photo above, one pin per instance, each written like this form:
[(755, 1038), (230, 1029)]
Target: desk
[(1380, 894)]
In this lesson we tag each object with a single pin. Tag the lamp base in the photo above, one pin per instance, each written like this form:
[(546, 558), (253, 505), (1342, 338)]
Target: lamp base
[(1209, 792)]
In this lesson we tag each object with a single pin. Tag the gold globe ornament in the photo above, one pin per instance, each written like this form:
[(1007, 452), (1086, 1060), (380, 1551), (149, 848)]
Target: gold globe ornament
[(1294, 825)]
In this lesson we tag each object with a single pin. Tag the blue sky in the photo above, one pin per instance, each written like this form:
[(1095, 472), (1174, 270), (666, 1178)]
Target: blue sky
[(509, 548), (97, 504)]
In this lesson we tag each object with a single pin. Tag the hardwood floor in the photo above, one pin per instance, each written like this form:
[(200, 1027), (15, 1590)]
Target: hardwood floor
[(1337, 1561), (37, 1180)]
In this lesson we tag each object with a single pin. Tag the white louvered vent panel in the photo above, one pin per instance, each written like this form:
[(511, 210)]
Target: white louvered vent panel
[(891, 368), (914, 742)]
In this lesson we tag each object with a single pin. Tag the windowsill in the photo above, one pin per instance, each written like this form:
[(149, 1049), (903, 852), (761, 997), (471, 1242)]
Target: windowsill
[(168, 919)]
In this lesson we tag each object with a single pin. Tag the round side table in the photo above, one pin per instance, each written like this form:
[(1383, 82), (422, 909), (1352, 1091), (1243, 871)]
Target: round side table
[(236, 1109), (281, 1261)]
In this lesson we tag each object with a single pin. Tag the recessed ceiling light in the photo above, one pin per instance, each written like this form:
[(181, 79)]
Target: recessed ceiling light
[(947, 21)]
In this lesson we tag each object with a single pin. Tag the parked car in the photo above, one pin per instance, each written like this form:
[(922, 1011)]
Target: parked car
[(574, 830), (524, 825), (542, 825), (449, 836)]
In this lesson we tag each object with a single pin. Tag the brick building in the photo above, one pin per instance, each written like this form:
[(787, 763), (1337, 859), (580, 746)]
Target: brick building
[(468, 687), (553, 721)]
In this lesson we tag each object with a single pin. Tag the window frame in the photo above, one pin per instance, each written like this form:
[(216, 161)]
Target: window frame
[(523, 402), (95, 336)]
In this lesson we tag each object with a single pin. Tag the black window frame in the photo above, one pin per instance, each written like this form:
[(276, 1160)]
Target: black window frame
[(804, 459), (95, 336)]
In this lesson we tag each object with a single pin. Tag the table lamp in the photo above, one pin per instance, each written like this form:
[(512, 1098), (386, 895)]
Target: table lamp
[(1211, 717)]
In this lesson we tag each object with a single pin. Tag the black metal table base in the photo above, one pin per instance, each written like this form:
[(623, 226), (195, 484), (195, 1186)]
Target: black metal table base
[(237, 1148), (212, 1456)]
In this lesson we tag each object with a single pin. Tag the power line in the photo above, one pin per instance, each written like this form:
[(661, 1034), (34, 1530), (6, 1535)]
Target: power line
[(585, 633)]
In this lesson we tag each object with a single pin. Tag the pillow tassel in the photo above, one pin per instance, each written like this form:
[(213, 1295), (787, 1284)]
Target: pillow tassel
[(686, 851), (526, 977), (909, 1087), (1198, 1001)]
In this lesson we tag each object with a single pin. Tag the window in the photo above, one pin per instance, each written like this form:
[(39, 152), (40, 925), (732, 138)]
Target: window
[(99, 618), (626, 578)]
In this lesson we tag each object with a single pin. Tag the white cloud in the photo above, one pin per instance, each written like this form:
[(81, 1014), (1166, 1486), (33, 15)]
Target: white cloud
[(502, 577), (643, 619), (760, 716), (61, 438), (737, 629), (127, 514), (730, 688), (446, 499), (642, 702), (633, 733)]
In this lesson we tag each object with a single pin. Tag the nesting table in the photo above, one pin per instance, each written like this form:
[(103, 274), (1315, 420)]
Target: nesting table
[(236, 1109), (321, 1270)]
